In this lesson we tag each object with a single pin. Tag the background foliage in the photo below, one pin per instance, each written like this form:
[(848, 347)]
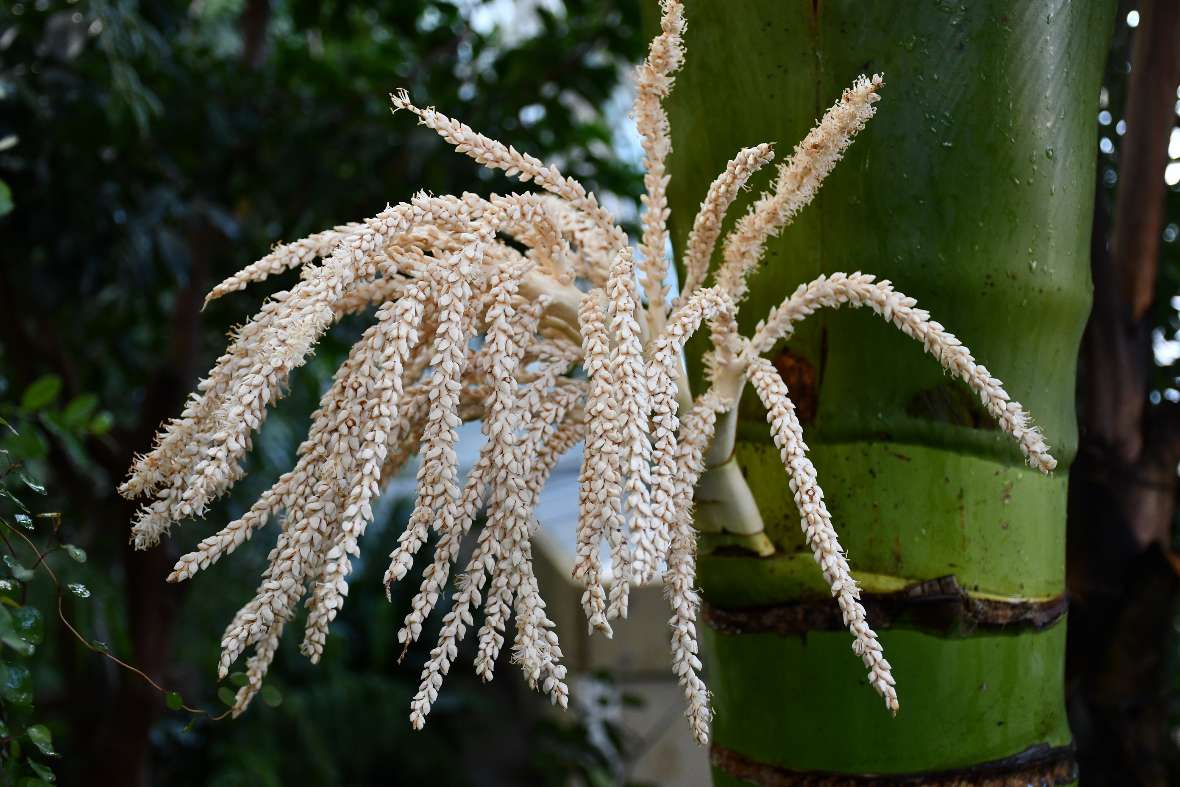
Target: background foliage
[(147, 150)]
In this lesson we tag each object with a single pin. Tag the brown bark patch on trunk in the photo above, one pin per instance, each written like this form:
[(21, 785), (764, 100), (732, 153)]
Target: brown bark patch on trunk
[(1036, 766), (799, 375), (938, 606)]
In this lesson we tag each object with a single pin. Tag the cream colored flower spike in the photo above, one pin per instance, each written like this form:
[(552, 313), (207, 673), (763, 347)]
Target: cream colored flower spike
[(557, 366)]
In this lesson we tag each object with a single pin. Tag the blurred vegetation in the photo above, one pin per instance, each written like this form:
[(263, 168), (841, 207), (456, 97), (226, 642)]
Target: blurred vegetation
[(147, 150), (26, 745)]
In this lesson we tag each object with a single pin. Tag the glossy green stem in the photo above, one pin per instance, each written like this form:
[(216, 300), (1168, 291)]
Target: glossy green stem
[(972, 191)]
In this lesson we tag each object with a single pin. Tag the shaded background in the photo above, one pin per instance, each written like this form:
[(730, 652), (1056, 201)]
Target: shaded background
[(149, 149)]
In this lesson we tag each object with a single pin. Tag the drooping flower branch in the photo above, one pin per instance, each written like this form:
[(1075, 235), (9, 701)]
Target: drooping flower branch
[(706, 227), (817, 523), (653, 82), (570, 351)]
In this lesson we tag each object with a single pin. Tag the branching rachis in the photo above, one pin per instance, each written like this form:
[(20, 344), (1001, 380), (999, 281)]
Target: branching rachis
[(441, 271)]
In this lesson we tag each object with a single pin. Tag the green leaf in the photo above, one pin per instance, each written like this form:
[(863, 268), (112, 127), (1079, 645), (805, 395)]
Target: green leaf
[(28, 624), (41, 393), (239, 679), (19, 571), (41, 737), (18, 644), (76, 553), (101, 423), (226, 695), (29, 444), (78, 413), (5, 198), (16, 686), (10, 634), (43, 771), (272, 696), (30, 483), (173, 700), (15, 500)]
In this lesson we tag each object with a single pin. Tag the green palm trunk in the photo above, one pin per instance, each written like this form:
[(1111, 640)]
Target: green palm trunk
[(972, 191)]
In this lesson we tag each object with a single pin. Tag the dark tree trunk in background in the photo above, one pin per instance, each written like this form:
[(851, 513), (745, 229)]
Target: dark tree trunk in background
[(1123, 576), (254, 22), (119, 749)]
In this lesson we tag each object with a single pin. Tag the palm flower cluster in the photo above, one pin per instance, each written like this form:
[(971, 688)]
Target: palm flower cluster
[(525, 312)]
